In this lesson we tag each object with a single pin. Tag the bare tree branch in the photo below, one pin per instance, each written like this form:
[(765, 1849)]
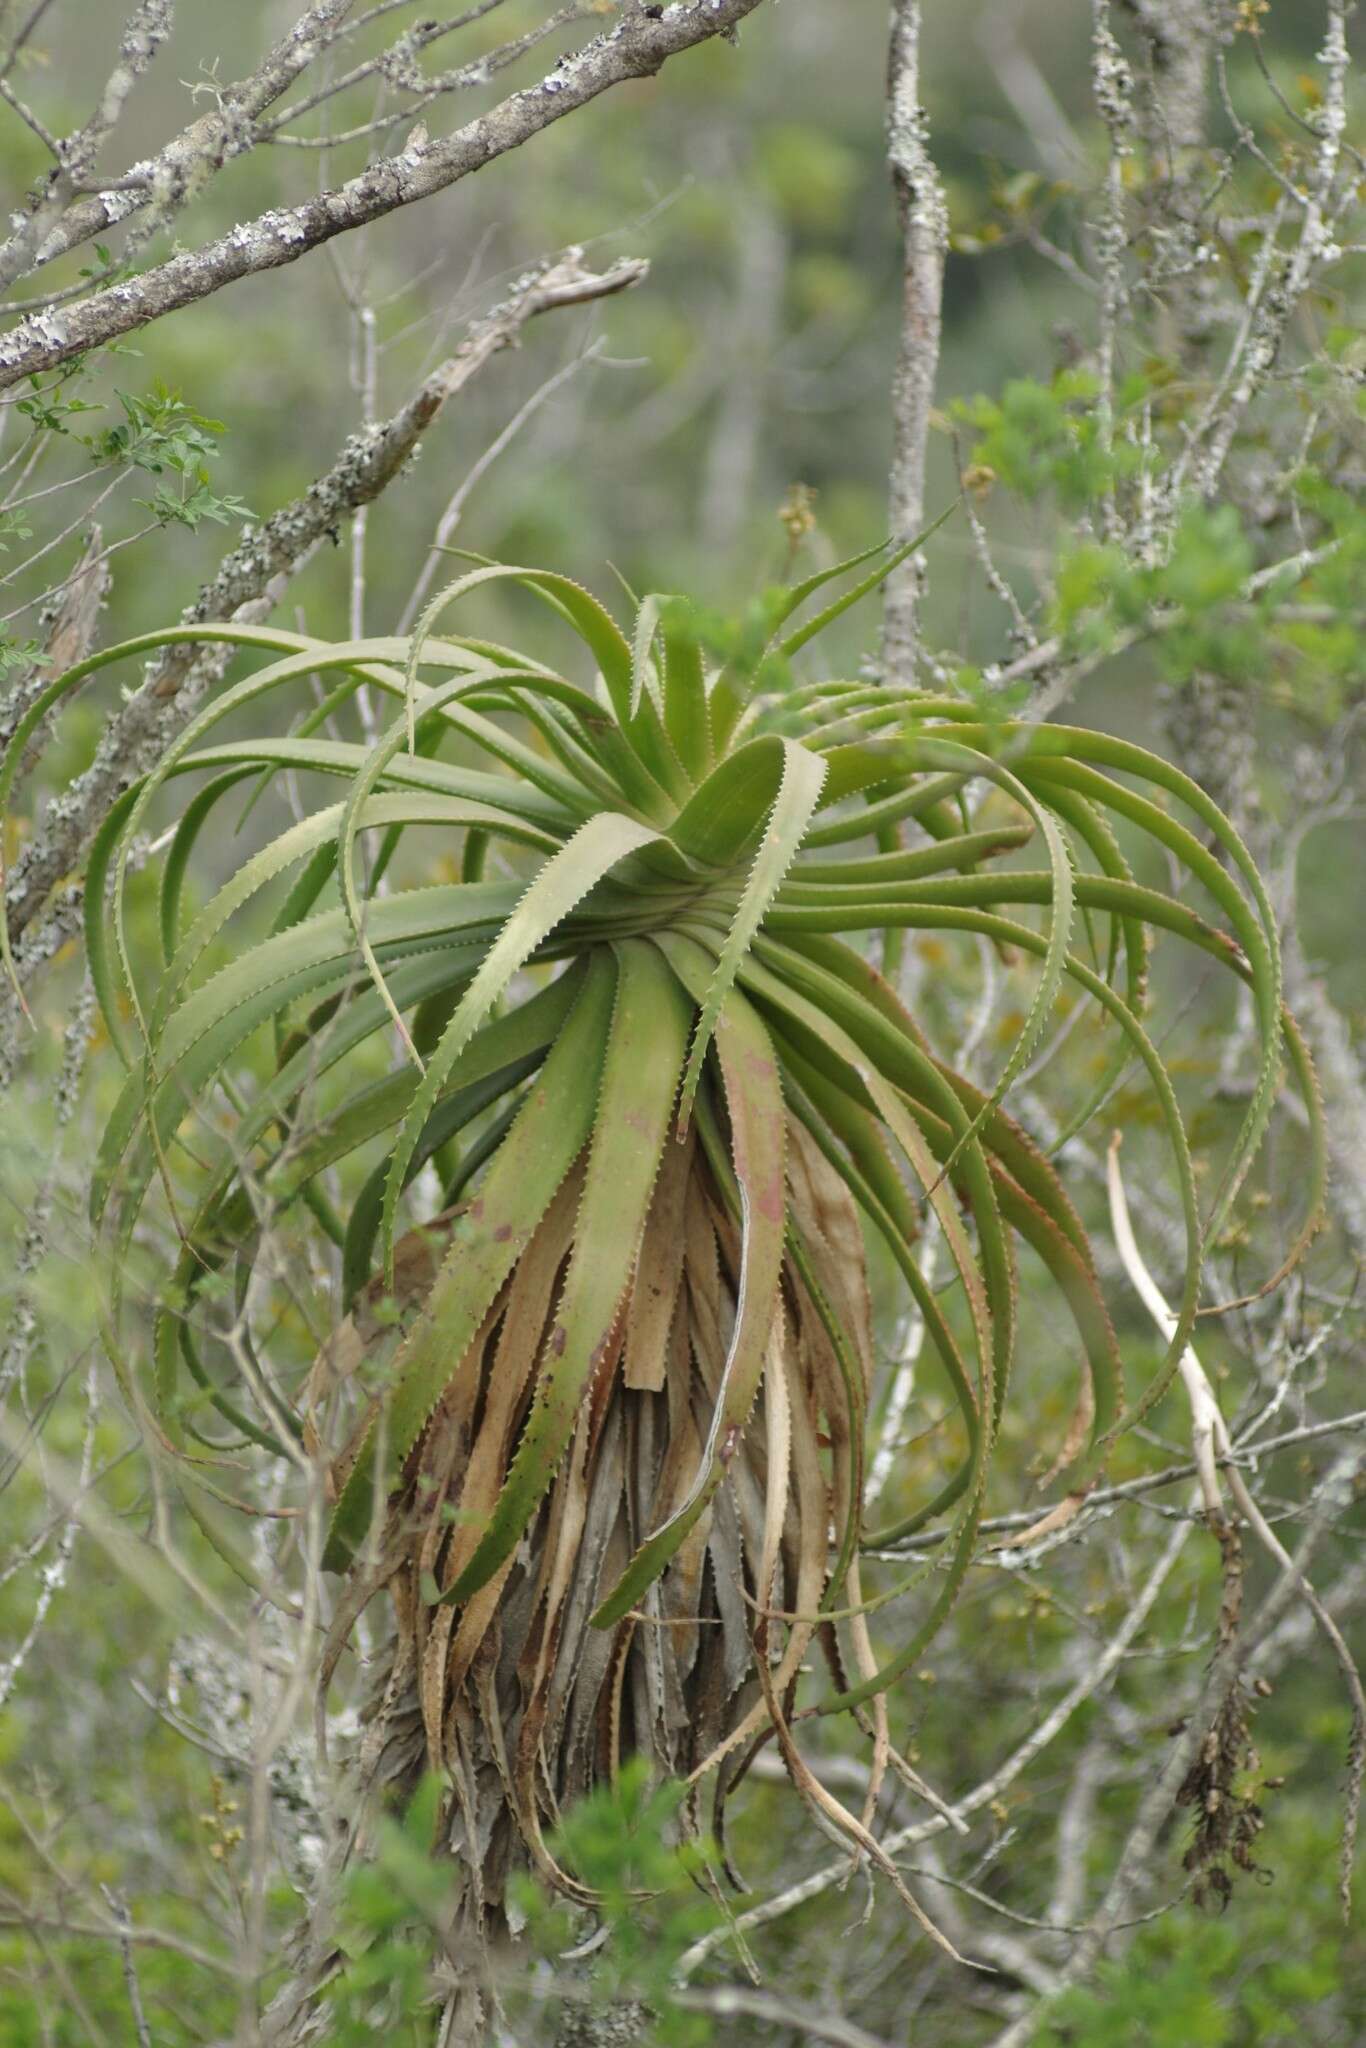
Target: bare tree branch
[(1225, 1672), (924, 233), (123, 1919), (147, 29), (186, 163), (733, 2001), (635, 48), (249, 578), (1098, 1672), (398, 67)]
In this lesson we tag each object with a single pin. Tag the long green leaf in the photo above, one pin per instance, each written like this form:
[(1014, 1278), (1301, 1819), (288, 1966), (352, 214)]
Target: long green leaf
[(645, 1050), (562, 882), (489, 1237), (793, 807)]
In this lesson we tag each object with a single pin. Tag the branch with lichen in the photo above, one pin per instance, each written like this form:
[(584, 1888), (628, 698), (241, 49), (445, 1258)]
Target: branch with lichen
[(251, 579), (923, 215), (637, 46)]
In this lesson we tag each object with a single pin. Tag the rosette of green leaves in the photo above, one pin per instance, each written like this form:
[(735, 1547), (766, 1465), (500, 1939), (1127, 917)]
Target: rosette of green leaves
[(667, 866)]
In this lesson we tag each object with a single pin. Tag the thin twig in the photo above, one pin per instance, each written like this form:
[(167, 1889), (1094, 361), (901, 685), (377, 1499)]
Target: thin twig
[(123, 1921)]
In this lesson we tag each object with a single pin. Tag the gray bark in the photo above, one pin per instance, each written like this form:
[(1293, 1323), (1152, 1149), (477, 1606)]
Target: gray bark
[(924, 237), (246, 584), (637, 47)]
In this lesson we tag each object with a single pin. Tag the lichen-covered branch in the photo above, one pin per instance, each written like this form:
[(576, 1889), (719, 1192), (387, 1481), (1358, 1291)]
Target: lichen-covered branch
[(637, 46), (249, 579), (924, 240), (201, 150), (147, 29)]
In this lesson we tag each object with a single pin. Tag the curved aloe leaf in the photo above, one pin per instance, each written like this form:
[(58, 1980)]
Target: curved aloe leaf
[(564, 881), (702, 852), (646, 1043), (542, 1145)]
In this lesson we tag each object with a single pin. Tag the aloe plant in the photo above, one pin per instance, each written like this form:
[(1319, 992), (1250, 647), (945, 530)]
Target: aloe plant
[(596, 1417)]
